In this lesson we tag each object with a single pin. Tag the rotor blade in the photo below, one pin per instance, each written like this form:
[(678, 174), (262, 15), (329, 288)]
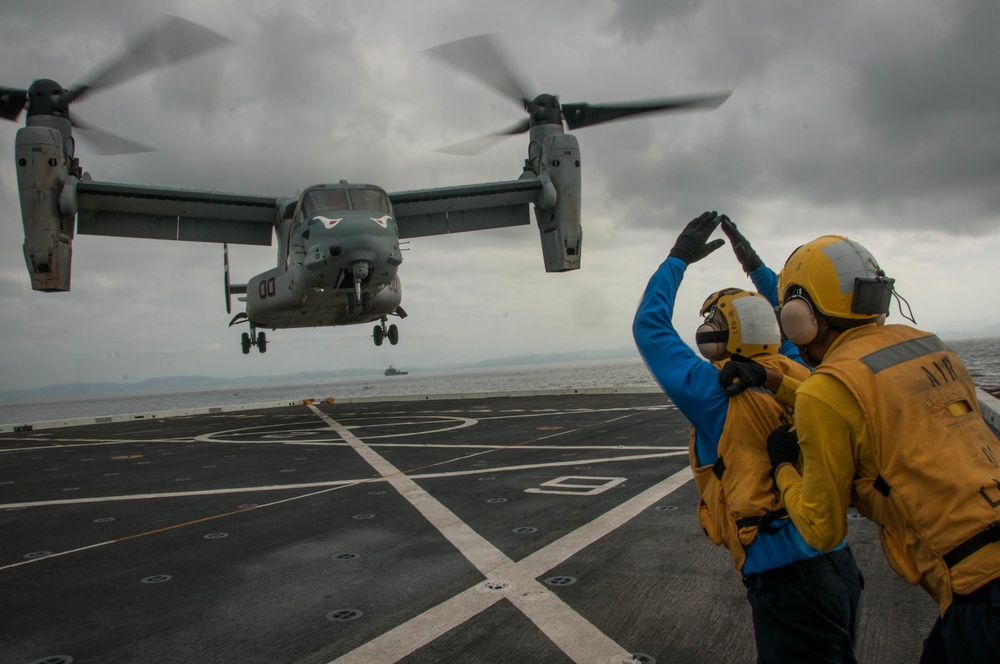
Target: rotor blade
[(584, 115), (172, 40), (477, 145), (482, 57), (107, 143), (12, 101)]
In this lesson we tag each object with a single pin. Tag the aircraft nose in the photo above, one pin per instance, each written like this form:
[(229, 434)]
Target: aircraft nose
[(321, 256)]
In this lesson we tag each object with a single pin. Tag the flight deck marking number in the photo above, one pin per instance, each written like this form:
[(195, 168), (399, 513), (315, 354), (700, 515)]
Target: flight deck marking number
[(266, 289), (571, 485)]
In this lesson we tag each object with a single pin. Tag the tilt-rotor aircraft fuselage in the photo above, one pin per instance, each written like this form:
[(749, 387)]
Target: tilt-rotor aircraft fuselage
[(338, 245)]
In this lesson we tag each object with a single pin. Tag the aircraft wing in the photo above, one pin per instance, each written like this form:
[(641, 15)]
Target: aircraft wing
[(473, 207), (123, 210)]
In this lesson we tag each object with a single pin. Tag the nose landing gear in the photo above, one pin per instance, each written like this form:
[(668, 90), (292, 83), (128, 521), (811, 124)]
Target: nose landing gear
[(381, 332), (357, 298), (353, 300)]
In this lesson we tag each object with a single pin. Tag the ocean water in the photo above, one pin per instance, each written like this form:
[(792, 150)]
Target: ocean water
[(592, 373), (980, 354), (982, 357)]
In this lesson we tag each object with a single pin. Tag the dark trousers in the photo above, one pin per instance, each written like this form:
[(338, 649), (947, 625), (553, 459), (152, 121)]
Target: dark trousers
[(807, 611), (969, 632)]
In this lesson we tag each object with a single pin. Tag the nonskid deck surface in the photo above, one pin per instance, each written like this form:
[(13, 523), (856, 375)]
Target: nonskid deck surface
[(518, 529)]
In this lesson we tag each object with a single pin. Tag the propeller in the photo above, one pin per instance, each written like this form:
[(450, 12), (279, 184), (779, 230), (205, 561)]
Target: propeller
[(12, 102), (483, 57), (170, 41), (107, 143)]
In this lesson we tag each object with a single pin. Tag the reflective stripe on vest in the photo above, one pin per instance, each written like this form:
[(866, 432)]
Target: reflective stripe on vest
[(904, 351)]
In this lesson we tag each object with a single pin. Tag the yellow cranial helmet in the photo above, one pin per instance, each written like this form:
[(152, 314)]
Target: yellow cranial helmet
[(737, 321), (838, 277)]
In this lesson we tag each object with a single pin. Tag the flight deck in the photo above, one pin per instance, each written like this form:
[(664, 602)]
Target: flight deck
[(543, 528)]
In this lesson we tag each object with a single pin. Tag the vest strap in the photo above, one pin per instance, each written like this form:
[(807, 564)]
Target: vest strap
[(762, 522), (987, 536), (882, 486), (718, 468)]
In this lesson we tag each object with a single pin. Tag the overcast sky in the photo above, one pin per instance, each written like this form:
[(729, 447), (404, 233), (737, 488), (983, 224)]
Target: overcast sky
[(875, 120)]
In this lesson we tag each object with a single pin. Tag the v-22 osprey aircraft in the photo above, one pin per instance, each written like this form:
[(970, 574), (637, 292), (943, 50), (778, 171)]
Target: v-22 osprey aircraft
[(338, 245)]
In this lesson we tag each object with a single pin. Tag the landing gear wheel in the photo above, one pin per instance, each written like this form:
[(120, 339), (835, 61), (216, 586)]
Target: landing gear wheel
[(393, 335), (245, 342), (366, 302), (261, 343), (378, 334)]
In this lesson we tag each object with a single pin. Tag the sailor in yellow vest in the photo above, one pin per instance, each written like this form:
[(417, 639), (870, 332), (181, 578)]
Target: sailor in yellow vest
[(889, 421), (803, 601)]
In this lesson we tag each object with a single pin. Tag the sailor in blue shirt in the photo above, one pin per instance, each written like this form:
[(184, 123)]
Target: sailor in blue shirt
[(804, 602)]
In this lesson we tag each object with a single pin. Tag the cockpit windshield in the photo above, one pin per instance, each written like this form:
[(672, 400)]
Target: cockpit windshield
[(324, 200), (370, 199), (318, 201)]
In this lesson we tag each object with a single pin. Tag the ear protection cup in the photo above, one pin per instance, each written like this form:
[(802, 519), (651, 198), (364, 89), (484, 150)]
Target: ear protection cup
[(711, 337), (798, 321)]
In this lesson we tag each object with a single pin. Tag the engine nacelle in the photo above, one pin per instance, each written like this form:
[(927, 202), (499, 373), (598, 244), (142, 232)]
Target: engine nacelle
[(42, 170), (559, 224)]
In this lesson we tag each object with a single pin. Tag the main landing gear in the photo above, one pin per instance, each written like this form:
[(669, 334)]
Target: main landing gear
[(250, 339), (381, 332)]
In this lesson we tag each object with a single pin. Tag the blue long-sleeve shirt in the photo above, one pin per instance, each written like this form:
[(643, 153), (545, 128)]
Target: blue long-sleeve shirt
[(692, 383)]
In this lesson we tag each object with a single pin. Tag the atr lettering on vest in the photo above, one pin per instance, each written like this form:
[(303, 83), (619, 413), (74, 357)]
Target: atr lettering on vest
[(943, 370)]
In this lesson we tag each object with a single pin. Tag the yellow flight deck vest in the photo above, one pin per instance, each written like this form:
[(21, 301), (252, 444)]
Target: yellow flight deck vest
[(936, 497), (737, 491)]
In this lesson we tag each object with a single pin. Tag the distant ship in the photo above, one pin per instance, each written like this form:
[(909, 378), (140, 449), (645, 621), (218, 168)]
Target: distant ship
[(393, 371)]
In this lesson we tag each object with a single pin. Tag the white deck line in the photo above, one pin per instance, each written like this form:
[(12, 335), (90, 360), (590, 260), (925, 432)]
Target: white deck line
[(579, 639)]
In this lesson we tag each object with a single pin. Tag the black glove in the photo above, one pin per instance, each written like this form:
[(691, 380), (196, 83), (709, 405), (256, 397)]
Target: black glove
[(783, 446), (692, 244), (745, 254), (741, 373)]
